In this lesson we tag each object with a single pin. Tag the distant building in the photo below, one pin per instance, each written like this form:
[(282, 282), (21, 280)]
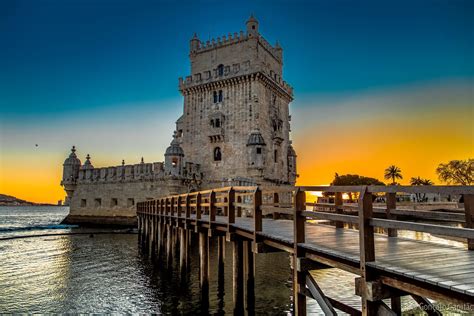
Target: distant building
[(234, 130)]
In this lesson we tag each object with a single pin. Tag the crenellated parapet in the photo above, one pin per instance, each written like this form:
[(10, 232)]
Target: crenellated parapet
[(211, 79), (132, 173), (198, 46)]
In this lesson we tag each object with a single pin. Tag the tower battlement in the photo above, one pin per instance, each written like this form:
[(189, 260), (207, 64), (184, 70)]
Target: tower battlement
[(197, 46), (232, 72)]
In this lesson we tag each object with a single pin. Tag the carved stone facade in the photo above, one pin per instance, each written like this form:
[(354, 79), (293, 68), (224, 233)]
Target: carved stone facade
[(234, 131)]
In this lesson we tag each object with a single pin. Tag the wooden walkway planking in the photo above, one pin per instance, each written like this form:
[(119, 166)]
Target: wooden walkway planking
[(424, 261)]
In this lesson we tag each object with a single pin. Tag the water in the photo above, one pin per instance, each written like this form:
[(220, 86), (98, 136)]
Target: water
[(107, 273)]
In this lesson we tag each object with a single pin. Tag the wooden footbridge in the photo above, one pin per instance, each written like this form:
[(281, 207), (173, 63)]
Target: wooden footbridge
[(268, 219)]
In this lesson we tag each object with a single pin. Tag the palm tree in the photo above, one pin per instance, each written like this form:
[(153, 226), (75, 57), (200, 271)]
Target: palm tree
[(393, 172)]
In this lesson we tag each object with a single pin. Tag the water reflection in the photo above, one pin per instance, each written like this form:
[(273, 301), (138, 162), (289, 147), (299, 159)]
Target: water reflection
[(107, 273)]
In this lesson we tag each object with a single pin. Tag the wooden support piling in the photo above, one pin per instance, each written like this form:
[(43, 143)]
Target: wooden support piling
[(204, 261), (238, 276), (183, 250), (249, 276)]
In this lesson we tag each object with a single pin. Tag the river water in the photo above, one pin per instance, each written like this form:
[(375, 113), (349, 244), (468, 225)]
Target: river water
[(104, 271)]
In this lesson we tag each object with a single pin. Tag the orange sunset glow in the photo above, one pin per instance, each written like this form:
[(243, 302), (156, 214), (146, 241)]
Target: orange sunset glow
[(359, 135)]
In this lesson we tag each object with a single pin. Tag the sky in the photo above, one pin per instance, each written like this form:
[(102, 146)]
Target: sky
[(375, 82)]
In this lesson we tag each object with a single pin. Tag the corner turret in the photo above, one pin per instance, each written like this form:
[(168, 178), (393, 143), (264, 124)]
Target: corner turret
[(256, 150), (194, 43), (174, 156), (252, 26), (292, 175), (71, 167)]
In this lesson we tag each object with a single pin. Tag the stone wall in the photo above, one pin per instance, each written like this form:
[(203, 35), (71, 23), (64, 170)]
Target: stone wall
[(114, 203)]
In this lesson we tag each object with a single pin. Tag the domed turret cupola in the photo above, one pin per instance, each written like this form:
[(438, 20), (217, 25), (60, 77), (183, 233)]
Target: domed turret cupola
[(252, 26), (292, 175), (71, 167), (194, 43), (87, 169), (256, 150), (174, 156), (87, 164)]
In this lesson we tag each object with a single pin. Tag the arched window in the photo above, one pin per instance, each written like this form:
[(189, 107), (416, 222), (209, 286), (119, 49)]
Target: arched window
[(212, 123), (220, 70), (217, 154), (215, 96), (218, 123), (220, 96)]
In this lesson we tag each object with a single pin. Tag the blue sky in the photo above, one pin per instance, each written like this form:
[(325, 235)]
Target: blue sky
[(103, 74), (61, 57)]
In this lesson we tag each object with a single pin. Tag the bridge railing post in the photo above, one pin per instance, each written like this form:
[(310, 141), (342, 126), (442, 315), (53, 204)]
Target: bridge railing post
[(212, 207), (187, 209), (257, 211), (230, 208), (166, 207), (178, 206), (198, 206), (391, 202), (276, 201), (299, 277), (338, 205), (469, 211), (367, 248), (173, 206)]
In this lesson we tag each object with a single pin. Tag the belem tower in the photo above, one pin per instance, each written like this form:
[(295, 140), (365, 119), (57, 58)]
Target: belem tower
[(234, 130)]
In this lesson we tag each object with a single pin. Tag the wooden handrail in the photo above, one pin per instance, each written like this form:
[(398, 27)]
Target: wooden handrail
[(234, 199), (426, 228)]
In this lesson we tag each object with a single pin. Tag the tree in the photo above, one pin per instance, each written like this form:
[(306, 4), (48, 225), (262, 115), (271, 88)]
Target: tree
[(420, 197), (457, 172), (354, 179), (393, 172)]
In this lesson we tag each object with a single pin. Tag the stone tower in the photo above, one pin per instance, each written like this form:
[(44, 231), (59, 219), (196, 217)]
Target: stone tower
[(236, 121)]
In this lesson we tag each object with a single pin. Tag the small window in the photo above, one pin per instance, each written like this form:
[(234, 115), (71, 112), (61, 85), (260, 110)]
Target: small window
[(220, 70), (215, 96), (220, 96), (212, 123), (217, 154), (130, 202), (174, 162), (275, 155), (83, 202), (259, 150), (98, 202), (218, 123), (253, 27), (114, 202)]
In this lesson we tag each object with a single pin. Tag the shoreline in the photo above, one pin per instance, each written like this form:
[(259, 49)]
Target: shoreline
[(101, 221)]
